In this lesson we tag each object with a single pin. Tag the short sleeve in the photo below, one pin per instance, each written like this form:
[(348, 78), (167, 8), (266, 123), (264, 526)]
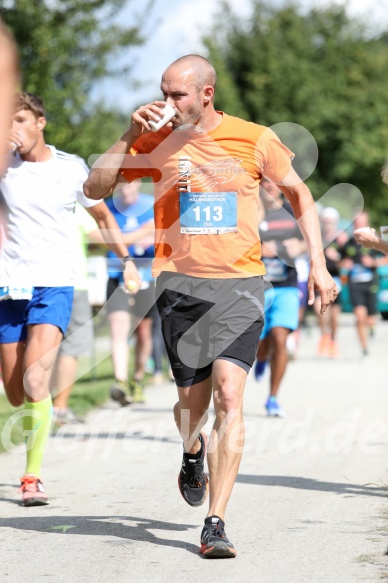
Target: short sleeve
[(84, 220), (82, 174), (273, 157)]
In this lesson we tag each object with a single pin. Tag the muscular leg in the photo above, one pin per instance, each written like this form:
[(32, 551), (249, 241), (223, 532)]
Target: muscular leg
[(322, 319), (64, 375), (42, 346), (227, 438), (279, 358), (263, 349), (335, 310), (361, 325), (228, 434), (143, 347), (11, 356), (27, 366), (119, 324), (371, 323), (190, 412), (41, 350), (26, 369)]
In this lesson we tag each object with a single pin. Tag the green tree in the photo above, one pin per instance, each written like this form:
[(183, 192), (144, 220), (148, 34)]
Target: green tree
[(66, 46), (322, 70)]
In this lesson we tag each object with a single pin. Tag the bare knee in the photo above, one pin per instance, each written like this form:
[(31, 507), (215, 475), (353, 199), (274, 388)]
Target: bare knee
[(361, 314), (279, 338), (227, 398), (144, 331), (34, 382)]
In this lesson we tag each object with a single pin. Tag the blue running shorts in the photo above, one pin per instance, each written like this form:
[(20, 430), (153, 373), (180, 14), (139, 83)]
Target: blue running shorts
[(281, 309), (48, 305)]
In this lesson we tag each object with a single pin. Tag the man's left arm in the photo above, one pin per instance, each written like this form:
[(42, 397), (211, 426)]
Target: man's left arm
[(302, 202), (113, 239)]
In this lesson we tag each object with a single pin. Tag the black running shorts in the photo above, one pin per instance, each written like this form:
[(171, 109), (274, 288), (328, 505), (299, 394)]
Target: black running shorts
[(204, 319), (364, 294), (142, 304)]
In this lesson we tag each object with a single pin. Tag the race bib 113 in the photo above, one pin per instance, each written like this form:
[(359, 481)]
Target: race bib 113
[(208, 213)]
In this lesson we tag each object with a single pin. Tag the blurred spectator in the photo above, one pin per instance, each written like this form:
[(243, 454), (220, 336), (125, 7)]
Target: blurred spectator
[(361, 265), (78, 338), (302, 266), (371, 240), (282, 241), (9, 76), (133, 211), (332, 239)]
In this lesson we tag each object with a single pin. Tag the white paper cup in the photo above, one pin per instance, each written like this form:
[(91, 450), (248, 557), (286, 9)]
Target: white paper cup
[(362, 230), (168, 113), (384, 233)]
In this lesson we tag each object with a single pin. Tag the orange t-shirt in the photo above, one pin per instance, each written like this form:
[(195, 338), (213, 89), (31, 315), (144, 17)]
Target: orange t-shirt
[(206, 194)]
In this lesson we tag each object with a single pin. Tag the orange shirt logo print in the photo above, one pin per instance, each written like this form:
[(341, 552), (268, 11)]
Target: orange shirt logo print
[(184, 174), (218, 172)]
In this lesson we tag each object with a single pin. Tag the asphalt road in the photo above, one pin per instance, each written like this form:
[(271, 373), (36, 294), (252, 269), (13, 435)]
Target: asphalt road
[(310, 503)]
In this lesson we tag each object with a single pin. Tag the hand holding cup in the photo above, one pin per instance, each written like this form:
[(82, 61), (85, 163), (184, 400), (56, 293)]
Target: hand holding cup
[(168, 113)]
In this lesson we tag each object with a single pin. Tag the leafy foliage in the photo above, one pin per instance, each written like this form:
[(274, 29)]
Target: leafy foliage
[(322, 70), (66, 46)]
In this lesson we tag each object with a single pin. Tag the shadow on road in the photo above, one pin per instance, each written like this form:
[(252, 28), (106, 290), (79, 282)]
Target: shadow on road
[(104, 526), (310, 484)]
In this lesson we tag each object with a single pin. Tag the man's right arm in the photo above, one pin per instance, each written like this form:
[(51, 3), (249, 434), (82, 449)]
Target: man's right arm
[(104, 175)]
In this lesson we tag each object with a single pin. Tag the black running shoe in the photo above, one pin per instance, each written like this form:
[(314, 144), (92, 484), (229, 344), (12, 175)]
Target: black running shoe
[(192, 480), (214, 542)]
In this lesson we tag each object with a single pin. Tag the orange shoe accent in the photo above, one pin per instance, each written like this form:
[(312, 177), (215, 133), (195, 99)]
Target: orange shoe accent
[(219, 550), (324, 345), (334, 349), (32, 491)]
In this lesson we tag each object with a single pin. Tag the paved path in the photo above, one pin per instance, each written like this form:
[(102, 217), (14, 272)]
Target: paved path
[(310, 503)]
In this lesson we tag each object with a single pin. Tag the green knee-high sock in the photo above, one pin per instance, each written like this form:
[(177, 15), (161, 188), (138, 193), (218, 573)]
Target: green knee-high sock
[(37, 424)]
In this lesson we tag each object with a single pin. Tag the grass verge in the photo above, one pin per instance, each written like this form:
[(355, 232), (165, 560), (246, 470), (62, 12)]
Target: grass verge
[(90, 390)]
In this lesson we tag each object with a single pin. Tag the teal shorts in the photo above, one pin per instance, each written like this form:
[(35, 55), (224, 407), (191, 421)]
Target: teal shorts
[(281, 308)]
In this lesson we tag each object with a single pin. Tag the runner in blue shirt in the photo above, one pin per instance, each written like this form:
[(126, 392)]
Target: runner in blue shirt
[(134, 214)]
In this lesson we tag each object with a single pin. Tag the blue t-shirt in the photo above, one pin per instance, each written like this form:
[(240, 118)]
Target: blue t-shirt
[(131, 218)]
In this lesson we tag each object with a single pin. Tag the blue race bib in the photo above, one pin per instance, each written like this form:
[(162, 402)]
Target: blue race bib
[(360, 274), (208, 213)]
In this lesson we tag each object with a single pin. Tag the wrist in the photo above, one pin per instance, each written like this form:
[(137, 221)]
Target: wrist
[(126, 259), (131, 134), (318, 262)]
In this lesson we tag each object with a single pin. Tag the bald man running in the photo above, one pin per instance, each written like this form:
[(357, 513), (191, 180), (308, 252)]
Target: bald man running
[(207, 167)]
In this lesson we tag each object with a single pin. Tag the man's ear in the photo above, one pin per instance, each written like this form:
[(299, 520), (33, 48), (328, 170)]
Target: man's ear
[(41, 123), (208, 93)]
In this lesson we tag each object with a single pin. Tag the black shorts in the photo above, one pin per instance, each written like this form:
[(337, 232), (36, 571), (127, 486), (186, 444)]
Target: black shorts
[(364, 294), (204, 319), (142, 304)]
